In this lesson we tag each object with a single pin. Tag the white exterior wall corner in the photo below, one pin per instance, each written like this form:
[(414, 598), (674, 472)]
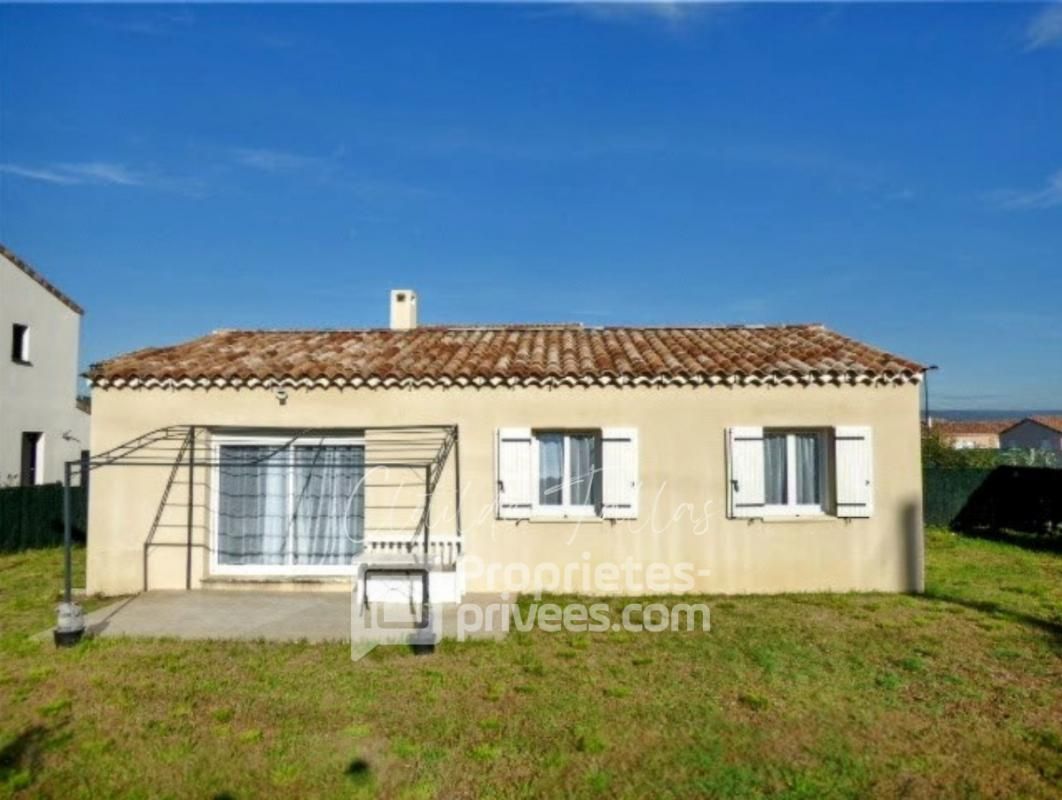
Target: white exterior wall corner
[(41, 397), (682, 465)]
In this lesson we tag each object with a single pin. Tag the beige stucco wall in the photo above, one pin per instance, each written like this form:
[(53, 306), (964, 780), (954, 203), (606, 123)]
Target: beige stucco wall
[(40, 396), (682, 470)]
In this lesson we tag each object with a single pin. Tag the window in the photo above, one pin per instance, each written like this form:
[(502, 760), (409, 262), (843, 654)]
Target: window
[(568, 474), (20, 344), (32, 459), (794, 472), (285, 507)]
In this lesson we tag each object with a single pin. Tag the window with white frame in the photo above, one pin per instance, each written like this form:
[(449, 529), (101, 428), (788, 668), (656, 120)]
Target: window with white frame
[(783, 472), (566, 472), (558, 473), (794, 474), (285, 506)]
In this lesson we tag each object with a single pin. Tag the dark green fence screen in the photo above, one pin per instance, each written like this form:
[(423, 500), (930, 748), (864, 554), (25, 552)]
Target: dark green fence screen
[(945, 492), (32, 516), (1023, 499)]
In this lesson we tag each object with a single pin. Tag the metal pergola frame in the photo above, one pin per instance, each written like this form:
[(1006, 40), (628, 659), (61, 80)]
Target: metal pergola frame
[(418, 447)]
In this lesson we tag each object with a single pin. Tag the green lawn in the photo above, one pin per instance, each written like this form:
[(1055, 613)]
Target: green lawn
[(957, 693)]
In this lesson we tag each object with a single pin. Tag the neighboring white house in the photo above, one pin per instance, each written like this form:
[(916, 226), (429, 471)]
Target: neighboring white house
[(970, 434), (1034, 433), (42, 424)]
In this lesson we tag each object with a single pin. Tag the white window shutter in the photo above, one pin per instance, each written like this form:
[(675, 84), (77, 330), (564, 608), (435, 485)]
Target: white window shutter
[(854, 451), (746, 493), (619, 473), (513, 478)]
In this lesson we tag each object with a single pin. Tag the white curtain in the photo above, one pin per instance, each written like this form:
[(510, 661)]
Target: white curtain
[(312, 496), (252, 505), (774, 447), (329, 512), (808, 474), (550, 469), (583, 457)]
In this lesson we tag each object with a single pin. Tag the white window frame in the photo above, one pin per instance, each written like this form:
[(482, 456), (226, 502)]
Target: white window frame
[(566, 509), (792, 508), (217, 568)]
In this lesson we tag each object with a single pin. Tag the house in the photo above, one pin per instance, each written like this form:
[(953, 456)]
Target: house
[(971, 434), (42, 424), (1034, 433), (513, 457)]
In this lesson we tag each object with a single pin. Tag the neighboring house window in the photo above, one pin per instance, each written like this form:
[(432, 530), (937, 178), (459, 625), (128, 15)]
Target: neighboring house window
[(545, 474), (568, 476), (800, 472), (794, 471), (20, 353), (285, 507), (32, 458)]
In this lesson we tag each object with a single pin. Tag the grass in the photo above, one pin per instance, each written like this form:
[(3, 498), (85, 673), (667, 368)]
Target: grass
[(955, 693)]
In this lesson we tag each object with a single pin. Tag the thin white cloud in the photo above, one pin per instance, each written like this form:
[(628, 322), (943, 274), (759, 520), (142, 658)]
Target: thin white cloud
[(674, 15), (68, 174), (105, 172), (274, 160), (141, 22), (39, 174), (1045, 29), (1048, 196), (622, 11)]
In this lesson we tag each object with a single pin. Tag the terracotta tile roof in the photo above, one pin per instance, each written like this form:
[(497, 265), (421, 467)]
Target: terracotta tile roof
[(49, 286), (957, 427), (509, 355), (1054, 423)]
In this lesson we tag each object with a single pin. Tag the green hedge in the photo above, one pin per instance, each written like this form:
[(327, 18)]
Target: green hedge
[(32, 516)]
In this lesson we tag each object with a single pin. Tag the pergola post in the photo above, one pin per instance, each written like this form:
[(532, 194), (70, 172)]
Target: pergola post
[(191, 508), (68, 583), (71, 624)]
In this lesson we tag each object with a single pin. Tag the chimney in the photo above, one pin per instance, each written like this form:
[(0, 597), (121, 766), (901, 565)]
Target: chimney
[(403, 309)]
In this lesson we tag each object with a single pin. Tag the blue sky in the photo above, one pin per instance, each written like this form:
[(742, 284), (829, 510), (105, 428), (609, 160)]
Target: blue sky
[(894, 171)]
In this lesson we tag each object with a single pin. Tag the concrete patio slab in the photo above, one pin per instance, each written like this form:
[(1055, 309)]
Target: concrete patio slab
[(249, 615)]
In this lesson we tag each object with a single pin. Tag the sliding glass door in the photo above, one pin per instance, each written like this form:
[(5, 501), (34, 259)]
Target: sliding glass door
[(289, 507)]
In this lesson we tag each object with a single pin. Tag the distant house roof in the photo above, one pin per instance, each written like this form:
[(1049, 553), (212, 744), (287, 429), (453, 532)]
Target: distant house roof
[(958, 427), (48, 285), (510, 355), (1054, 423)]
